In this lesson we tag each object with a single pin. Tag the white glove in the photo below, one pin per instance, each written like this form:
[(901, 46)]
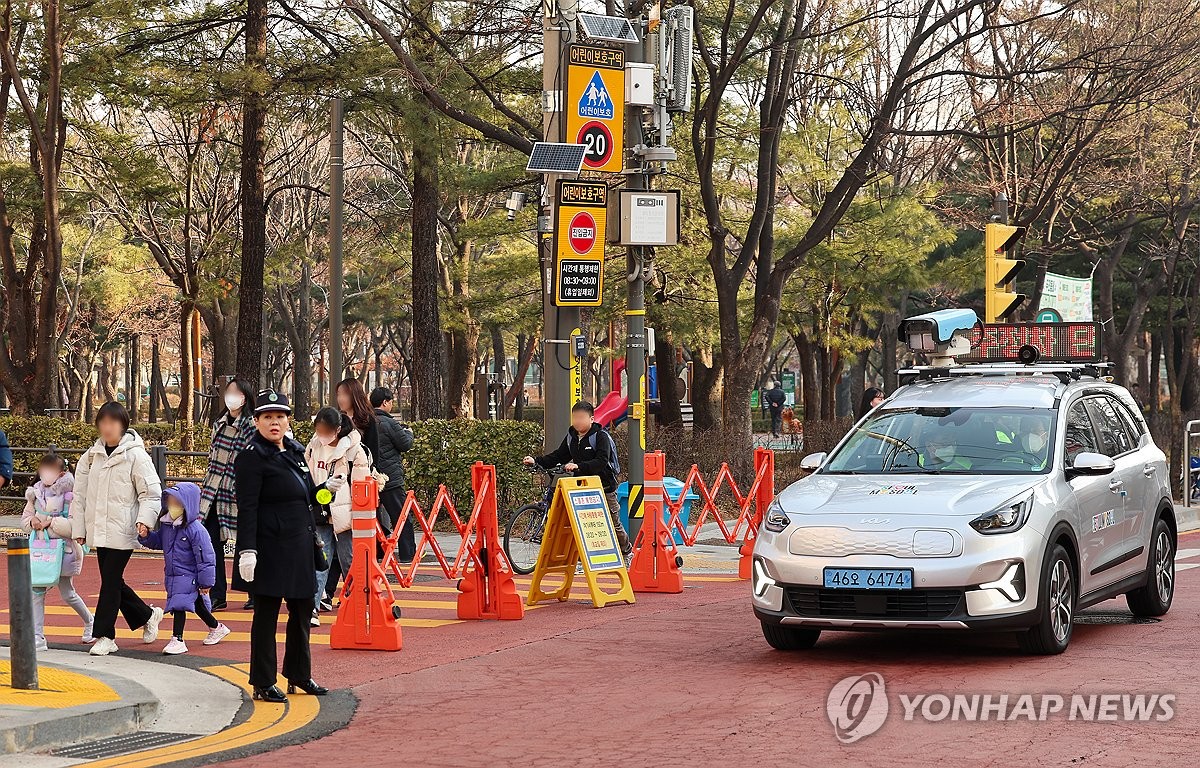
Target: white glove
[(246, 564), (334, 484)]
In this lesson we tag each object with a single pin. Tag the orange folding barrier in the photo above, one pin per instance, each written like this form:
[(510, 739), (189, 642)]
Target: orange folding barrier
[(367, 617), (655, 566), (485, 575)]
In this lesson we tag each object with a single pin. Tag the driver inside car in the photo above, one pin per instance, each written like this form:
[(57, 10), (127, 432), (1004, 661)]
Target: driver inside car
[(941, 453), (1035, 439)]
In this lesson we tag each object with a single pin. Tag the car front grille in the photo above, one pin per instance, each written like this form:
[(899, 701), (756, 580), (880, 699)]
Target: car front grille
[(913, 604)]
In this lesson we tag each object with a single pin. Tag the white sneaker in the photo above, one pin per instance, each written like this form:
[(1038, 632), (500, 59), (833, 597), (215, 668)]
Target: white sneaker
[(87, 633), (104, 646), (315, 621), (39, 643), (175, 647), (150, 631), (216, 634)]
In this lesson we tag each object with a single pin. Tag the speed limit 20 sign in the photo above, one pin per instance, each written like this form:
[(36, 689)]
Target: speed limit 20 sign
[(579, 243), (595, 104)]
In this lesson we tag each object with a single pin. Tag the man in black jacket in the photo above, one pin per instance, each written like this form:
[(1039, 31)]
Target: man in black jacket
[(588, 450), (394, 440)]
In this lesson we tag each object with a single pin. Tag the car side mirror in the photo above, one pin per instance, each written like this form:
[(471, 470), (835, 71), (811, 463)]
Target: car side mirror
[(813, 461), (1088, 464)]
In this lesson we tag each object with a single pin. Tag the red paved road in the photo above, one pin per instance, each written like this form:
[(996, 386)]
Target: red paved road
[(687, 680)]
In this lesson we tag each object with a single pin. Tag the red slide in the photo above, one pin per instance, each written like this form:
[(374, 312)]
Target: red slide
[(613, 408)]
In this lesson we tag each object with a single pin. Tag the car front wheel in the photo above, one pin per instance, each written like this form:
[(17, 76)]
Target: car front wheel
[(783, 638), (1154, 599), (1056, 607)]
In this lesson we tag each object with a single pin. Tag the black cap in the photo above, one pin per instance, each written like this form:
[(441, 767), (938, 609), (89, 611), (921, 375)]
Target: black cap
[(270, 400)]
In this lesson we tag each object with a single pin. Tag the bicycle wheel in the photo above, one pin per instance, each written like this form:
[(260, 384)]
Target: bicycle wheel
[(523, 537)]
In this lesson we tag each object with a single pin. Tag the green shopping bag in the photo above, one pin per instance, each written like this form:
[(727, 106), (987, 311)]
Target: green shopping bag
[(45, 558)]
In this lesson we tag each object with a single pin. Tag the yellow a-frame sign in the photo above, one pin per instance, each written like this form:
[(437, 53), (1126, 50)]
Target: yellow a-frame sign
[(578, 529)]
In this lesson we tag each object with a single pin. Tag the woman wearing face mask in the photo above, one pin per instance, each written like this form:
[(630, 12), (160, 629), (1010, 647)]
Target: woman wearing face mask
[(218, 503), (335, 451), (116, 489)]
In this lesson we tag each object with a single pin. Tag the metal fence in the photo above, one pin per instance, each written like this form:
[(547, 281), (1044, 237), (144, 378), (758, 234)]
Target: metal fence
[(159, 455)]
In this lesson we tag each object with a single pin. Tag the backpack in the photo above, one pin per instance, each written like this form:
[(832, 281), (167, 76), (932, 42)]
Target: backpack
[(614, 464)]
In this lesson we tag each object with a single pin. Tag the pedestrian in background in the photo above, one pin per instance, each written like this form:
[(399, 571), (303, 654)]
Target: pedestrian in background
[(47, 508), (589, 450), (352, 401), (395, 439), (277, 548), (872, 397), (218, 503), (189, 563), (776, 398), (335, 451), (116, 488), (6, 461)]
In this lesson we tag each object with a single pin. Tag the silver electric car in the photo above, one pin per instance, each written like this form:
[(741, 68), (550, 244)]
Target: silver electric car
[(991, 497)]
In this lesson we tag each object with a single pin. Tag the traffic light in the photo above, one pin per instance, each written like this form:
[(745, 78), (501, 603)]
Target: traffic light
[(999, 242)]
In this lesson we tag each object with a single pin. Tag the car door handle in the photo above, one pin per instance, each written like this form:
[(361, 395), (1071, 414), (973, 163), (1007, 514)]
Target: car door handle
[(1149, 470), (1116, 486)]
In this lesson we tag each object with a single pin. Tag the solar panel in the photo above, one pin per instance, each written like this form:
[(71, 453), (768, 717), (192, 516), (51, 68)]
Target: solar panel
[(617, 29), (552, 157)]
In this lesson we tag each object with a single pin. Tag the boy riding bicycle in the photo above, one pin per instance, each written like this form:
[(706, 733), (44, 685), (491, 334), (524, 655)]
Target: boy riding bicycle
[(588, 450)]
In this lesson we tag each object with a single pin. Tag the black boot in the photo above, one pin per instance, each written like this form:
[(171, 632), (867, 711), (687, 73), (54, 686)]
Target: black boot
[(308, 686), (271, 695)]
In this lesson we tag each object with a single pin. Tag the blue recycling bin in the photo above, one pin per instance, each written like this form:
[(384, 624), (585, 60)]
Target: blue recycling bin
[(674, 487)]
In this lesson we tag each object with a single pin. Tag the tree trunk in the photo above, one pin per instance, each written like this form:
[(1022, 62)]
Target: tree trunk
[(302, 350), (186, 385), (155, 380), (461, 370), (429, 360), (220, 318), (135, 384), (515, 397), (500, 367), (254, 221), (706, 385), (669, 390)]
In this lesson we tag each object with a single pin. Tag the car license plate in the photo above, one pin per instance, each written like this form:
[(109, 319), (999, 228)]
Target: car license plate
[(868, 578)]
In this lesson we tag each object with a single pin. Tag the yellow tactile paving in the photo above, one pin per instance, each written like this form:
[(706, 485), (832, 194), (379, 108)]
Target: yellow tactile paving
[(58, 689)]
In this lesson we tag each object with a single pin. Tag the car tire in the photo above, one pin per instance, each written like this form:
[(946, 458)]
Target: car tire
[(1154, 599), (783, 638), (1056, 606)]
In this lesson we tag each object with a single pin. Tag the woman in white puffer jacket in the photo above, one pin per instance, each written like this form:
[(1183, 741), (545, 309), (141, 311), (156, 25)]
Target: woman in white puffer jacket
[(117, 493)]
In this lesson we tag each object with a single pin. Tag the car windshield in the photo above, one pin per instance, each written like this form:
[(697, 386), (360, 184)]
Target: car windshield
[(973, 441)]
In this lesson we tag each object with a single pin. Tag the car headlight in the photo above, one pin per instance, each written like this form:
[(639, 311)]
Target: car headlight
[(1006, 518), (776, 519)]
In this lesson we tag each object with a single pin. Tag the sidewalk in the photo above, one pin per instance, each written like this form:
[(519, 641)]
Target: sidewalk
[(90, 708)]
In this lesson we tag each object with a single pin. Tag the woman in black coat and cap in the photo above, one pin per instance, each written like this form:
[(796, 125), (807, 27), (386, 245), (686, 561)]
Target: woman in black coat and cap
[(277, 545)]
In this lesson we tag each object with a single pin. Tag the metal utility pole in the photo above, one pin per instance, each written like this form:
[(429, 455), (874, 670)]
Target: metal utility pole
[(557, 322), (636, 259), (336, 189)]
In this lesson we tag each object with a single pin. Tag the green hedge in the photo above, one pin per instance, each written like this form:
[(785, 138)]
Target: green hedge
[(442, 453)]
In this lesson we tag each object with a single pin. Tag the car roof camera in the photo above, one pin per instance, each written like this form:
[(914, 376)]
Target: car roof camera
[(943, 335)]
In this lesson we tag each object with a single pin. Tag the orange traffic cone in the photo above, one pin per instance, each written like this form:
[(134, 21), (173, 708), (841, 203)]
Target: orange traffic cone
[(367, 616), (656, 565)]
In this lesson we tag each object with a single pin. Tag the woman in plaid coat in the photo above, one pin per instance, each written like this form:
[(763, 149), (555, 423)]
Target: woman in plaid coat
[(218, 504)]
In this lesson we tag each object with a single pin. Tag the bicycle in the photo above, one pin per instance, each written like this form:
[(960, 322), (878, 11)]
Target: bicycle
[(523, 532)]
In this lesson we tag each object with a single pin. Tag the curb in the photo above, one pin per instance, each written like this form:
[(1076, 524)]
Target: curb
[(45, 728)]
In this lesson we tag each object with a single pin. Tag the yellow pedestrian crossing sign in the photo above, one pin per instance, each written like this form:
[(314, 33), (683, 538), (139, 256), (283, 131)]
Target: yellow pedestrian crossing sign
[(595, 105)]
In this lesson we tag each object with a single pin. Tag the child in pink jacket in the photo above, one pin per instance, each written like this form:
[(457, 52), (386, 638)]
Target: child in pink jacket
[(46, 503)]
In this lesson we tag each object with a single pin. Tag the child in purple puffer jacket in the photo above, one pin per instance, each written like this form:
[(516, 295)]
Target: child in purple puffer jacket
[(190, 563)]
